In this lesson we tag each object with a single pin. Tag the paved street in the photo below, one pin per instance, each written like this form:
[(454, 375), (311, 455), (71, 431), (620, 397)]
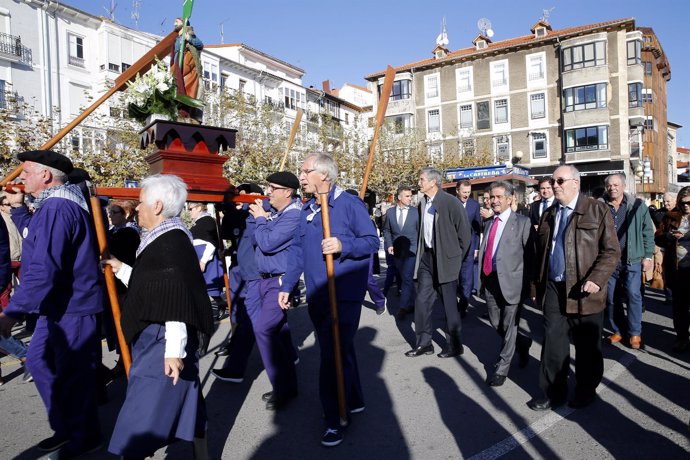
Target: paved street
[(422, 408)]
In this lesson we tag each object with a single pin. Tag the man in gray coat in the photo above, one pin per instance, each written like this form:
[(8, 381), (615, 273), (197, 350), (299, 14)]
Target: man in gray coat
[(505, 257), (444, 239)]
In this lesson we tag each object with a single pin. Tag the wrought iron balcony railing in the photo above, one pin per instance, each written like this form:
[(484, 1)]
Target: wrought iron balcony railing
[(11, 46)]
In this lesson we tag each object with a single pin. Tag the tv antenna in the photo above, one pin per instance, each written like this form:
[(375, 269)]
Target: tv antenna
[(546, 14), (136, 4), (222, 34), (162, 26), (111, 10), (442, 39)]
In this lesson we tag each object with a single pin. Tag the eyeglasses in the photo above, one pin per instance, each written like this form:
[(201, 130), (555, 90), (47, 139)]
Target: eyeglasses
[(274, 188), (307, 171), (684, 203), (561, 180)]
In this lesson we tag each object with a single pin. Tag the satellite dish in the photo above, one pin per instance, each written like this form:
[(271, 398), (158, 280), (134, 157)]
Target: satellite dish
[(489, 33), (484, 25)]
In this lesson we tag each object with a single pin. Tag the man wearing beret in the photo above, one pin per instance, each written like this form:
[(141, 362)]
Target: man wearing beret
[(273, 235), (62, 284)]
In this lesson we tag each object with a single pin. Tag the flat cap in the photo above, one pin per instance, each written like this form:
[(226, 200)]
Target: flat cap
[(284, 178), (48, 158), (78, 175)]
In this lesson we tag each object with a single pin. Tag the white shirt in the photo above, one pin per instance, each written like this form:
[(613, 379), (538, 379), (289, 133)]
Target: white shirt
[(428, 224), (501, 222), (569, 209), (549, 202), (403, 213)]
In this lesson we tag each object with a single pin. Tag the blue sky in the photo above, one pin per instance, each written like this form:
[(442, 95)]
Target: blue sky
[(345, 40)]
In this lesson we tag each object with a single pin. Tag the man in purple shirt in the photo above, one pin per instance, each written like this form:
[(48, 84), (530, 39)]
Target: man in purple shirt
[(61, 282)]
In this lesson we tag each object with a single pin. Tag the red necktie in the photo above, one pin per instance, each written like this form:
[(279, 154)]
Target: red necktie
[(488, 254)]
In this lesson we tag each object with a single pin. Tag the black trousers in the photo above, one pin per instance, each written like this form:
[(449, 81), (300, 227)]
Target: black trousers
[(559, 327), (428, 289), (681, 303)]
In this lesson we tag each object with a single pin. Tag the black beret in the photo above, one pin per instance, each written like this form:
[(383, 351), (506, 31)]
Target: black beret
[(250, 187), (48, 158), (284, 178), (78, 175)]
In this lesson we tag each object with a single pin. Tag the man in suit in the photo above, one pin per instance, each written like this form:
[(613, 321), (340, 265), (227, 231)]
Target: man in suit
[(400, 232), (547, 199), (505, 263), (444, 239), (577, 251), (463, 190)]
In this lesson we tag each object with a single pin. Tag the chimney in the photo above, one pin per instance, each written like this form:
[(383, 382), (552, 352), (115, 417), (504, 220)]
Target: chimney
[(326, 84)]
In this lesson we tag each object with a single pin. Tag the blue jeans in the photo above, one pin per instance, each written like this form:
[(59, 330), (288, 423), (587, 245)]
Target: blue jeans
[(627, 279)]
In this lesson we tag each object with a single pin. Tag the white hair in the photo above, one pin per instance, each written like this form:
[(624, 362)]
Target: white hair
[(58, 176), (169, 189), (325, 164)]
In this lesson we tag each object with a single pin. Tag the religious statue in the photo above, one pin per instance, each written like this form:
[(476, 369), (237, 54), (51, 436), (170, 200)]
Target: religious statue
[(188, 74)]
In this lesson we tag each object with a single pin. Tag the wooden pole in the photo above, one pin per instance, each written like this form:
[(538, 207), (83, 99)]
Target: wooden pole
[(110, 282), (291, 139), (330, 272), (380, 116), (142, 65)]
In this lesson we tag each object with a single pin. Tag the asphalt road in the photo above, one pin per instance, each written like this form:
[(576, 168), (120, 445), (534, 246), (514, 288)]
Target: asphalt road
[(421, 408)]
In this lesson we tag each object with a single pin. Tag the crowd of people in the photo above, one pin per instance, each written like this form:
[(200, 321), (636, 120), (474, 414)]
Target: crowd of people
[(581, 260)]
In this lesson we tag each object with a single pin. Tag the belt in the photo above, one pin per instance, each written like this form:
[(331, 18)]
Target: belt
[(270, 275)]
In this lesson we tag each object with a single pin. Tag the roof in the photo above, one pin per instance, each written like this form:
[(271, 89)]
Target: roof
[(683, 150), (505, 44), (254, 50), (362, 88)]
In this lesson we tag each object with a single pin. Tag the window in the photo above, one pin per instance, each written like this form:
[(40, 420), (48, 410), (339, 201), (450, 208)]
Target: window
[(223, 81), (347, 118), (431, 86), (499, 76), (464, 80), (587, 55), (293, 99), (76, 50), (585, 97), (468, 147), (535, 68), (501, 111), (634, 52), (434, 121), (537, 105), (483, 117), (649, 123), (436, 153), (634, 95), (539, 145), (634, 140), (647, 67), (243, 83), (401, 90), (113, 67), (75, 142), (590, 138), (125, 66), (400, 123), (466, 116), (647, 96), (503, 148)]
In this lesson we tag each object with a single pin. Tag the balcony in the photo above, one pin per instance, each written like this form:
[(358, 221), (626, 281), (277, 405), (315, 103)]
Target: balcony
[(76, 61), (11, 48), (12, 102)]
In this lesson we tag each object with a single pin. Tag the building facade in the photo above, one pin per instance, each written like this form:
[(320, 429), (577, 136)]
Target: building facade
[(551, 97)]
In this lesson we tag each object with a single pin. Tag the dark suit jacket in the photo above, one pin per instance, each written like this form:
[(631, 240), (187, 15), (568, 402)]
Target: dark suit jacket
[(514, 257), (534, 211), (403, 240), (475, 219), (451, 235)]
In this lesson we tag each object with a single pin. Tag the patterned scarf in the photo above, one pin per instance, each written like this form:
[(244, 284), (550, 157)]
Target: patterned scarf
[(172, 223), (67, 191)]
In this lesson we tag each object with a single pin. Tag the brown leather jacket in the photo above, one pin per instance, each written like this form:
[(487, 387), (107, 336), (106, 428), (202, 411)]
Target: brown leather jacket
[(665, 239), (592, 252)]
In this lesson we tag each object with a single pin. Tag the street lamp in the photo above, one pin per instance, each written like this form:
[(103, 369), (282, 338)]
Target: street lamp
[(647, 172)]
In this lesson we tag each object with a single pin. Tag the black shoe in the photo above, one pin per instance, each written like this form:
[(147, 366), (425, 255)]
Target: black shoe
[(544, 404), (227, 376), (496, 380), (578, 402), (277, 403), (52, 443), (266, 396), (419, 351), (452, 352), (523, 355), (332, 437), (67, 452), (222, 351)]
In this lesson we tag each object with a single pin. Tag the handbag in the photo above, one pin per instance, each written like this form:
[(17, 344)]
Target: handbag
[(657, 280)]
